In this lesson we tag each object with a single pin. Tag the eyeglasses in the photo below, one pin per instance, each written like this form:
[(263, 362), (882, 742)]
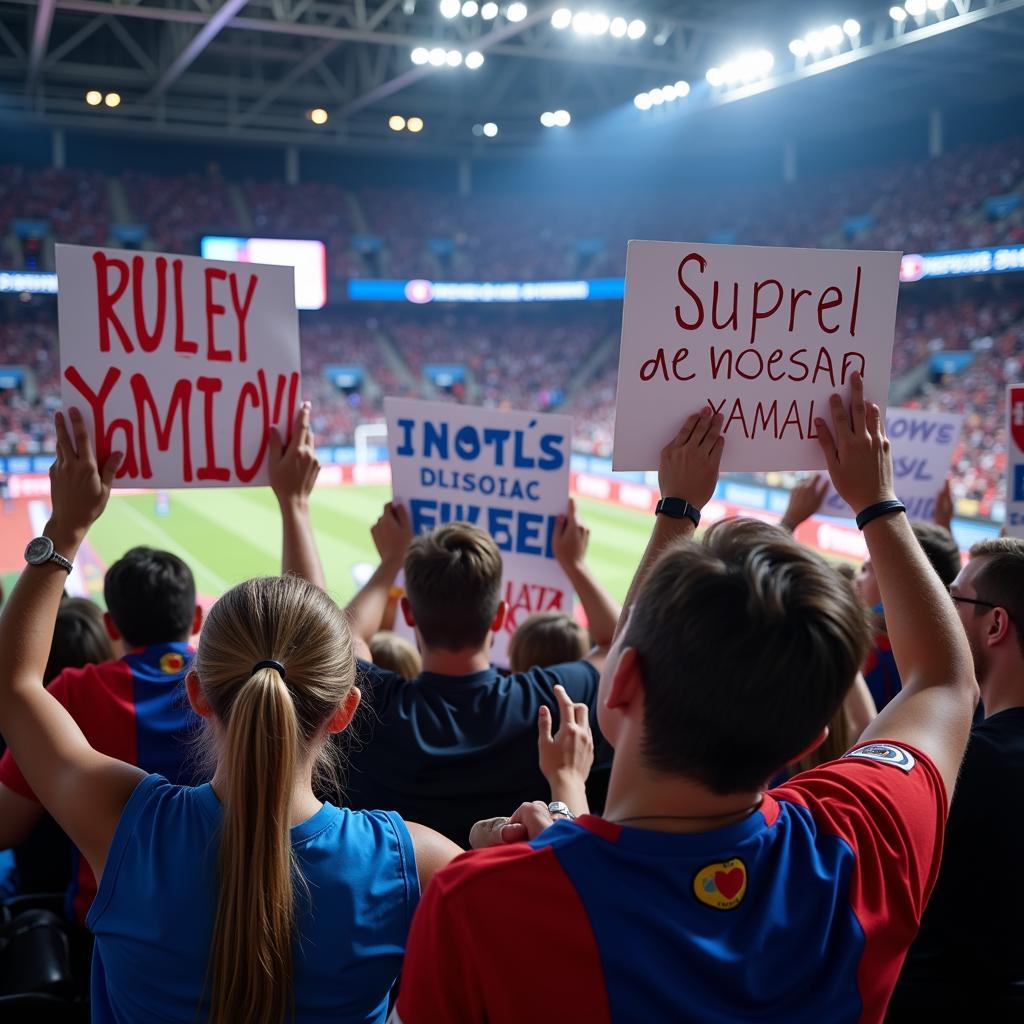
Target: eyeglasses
[(971, 600)]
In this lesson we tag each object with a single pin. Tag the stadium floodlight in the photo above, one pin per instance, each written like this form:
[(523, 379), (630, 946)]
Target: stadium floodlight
[(490, 129), (642, 101), (833, 37), (94, 97), (420, 55), (898, 15), (318, 115), (453, 58), (112, 99), (636, 29), (799, 48), (474, 59), (599, 24), (815, 42), (449, 8), (414, 124), (562, 118), (489, 11), (438, 55), (581, 23), (916, 8), (682, 89), (470, 9), (936, 5), (668, 93), (396, 122), (618, 27), (715, 77), (562, 18), (657, 97), (516, 11), (547, 119), (851, 27), (763, 61)]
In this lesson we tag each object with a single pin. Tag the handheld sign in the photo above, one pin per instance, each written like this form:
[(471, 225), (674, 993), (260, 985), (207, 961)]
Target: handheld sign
[(1015, 460), (922, 452), (506, 472), (761, 335), (183, 364)]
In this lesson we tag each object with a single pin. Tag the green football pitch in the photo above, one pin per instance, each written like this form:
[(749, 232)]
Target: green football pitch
[(229, 535)]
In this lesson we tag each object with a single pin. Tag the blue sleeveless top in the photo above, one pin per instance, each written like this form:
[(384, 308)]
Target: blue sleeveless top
[(154, 911)]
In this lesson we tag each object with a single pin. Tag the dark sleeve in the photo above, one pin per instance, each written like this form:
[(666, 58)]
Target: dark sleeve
[(579, 678), (378, 686)]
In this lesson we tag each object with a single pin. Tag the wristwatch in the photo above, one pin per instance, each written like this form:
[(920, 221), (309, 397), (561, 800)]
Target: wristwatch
[(40, 551), (557, 807), (677, 508)]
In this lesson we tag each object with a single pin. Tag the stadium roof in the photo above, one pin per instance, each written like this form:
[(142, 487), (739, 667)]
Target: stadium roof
[(254, 70)]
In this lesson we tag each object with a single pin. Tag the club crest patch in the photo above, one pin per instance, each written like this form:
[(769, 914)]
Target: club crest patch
[(721, 885), (887, 753), (172, 663)]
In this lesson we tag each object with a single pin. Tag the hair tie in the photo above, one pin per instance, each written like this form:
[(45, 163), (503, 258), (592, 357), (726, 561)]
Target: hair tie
[(269, 663)]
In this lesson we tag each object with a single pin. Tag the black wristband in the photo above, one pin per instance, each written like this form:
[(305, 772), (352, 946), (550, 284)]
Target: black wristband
[(678, 508), (881, 508)]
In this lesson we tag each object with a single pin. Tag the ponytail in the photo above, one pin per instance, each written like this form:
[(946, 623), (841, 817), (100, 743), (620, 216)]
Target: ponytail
[(250, 966)]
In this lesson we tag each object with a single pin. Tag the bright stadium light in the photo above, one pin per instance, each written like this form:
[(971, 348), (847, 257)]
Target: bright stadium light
[(396, 122), (636, 29), (414, 124), (516, 11), (581, 23), (916, 7), (562, 18), (715, 77), (618, 28), (547, 119), (470, 9), (657, 97), (453, 58), (642, 101), (815, 42), (449, 8), (438, 56), (668, 93), (489, 11), (318, 115), (851, 27), (898, 15), (936, 5), (599, 24), (562, 118), (682, 89), (490, 129), (798, 47), (474, 60), (420, 55), (94, 97), (112, 99), (833, 37)]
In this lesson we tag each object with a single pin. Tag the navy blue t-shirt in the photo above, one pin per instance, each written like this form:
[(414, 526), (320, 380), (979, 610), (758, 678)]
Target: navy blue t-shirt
[(448, 751)]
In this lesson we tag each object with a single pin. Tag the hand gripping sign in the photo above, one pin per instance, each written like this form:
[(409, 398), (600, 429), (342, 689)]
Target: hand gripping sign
[(181, 363), (761, 335)]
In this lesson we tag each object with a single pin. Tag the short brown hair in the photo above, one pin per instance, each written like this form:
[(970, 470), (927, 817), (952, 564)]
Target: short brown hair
[(453, 583), (546, 638), (394, 653), (1001, 579), (747, 643), (939, 548)]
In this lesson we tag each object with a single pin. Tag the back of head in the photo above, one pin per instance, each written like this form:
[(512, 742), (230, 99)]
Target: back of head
[(394, 653), (453, 584), (269, 725), (546, 638), (1001, 578), (151, 596), (940, 549), (79, 638), (747, 644)]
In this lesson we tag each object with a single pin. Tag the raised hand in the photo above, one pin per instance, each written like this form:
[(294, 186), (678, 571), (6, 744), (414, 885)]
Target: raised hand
[(690, 461), (857, 450), (571, 538), (293, 470), (392, 533), (567, 757), (805, 499), (943, 514), (526, 822)]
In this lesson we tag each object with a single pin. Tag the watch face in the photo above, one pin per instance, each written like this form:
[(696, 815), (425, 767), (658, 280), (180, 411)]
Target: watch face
[(38, 550)]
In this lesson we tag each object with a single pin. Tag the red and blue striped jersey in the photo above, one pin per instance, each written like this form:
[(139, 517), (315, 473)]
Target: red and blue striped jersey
[(802, 912), (134, 709)]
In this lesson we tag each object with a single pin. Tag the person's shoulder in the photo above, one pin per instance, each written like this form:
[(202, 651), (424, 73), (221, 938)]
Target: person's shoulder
[(373, 677), (92, 678), (474, 873), (580, 678)]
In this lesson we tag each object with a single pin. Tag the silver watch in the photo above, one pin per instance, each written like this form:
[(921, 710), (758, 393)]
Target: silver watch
[(40, 550), (557, 807)]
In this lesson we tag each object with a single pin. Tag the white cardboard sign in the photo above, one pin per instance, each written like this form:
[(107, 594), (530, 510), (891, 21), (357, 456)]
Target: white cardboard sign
[(762, 335), (922, 452), (181, 363), (506, 472), (1015, 460)]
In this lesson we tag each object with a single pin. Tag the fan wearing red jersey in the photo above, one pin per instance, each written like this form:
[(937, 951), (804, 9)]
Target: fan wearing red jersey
[(700, 896)]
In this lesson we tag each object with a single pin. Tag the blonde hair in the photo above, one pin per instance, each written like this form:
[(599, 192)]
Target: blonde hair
[(546, 638), (394, 653), (270, 723)]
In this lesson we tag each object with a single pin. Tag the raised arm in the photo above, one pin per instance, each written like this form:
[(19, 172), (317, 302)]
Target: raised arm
[(805, 500), (84, 790), (934, 709), (293, 472), (392, 534), (570, 546), (688, 470)]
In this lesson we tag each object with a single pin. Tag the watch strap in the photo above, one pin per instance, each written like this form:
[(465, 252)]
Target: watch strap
[(678, 508), (66, 564)]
